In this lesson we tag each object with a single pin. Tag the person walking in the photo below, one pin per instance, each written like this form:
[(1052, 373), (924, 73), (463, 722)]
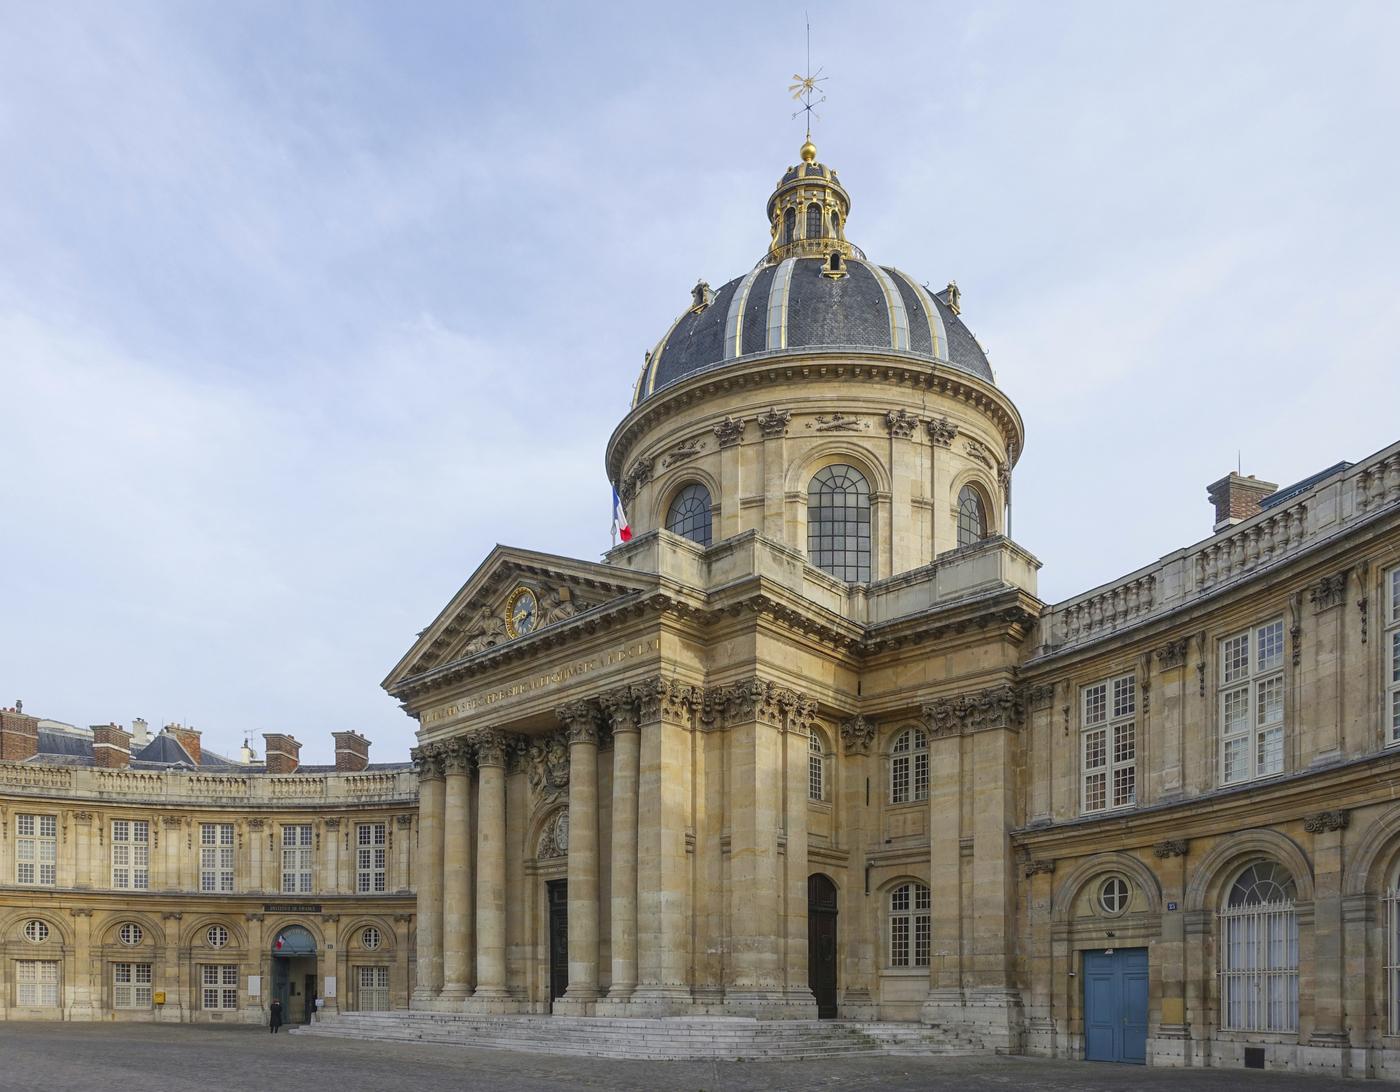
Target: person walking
[(274, 1020)]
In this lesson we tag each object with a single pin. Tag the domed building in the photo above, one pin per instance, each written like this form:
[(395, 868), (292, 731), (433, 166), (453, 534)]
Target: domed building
[(809, 745)]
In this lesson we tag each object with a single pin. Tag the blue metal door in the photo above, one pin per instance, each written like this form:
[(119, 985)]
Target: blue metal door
[(1115, 1005)]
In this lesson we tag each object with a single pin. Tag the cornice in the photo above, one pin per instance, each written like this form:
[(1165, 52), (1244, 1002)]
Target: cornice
[(764, 370)]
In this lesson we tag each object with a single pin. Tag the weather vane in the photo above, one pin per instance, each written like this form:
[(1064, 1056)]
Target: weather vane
[(806, 86)]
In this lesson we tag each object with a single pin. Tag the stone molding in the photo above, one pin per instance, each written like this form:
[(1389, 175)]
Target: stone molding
[(981, 711), (1324, 822), (1170, 847), (729, 431), (858, 735), (1172, 654), (1328, 592), (774, 423)]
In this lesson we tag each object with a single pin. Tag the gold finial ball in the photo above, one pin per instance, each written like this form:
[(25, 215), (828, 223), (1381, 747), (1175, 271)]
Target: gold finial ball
[(808, 152)]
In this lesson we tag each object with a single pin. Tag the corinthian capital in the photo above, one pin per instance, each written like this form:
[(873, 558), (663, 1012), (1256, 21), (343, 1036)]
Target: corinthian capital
[(580, 720), (994, 707), (493, 748), (620, 707), (664, 699)]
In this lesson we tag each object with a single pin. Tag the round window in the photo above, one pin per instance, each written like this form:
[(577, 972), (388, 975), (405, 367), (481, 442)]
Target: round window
[(370, 938), (217, 936), (36, 931), (1113, 895), (131, 933)]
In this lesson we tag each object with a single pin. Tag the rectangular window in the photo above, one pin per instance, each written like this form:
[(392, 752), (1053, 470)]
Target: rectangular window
[(370, 856), (1108, 744), (373, 992), (1392, 648), (911, 925), (131, 985), (36, 983), (216, 857), (36, 849), (1251, 703), (297, 859), (218, 986), (131, 854)]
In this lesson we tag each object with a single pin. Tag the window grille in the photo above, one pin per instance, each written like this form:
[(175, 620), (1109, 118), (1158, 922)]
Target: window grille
[(36, 849), (371, 857), (131, 934), (838, 523), (131, 985), (131, 854), (1259, 952), (689, 514), (910, 922), (36, 983), (217, 936), (373, 992), (216, 857), (1251, 703), (909, 767), (1108, 744), (297, 859)]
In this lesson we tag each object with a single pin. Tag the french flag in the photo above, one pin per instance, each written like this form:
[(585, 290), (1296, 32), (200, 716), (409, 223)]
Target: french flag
[(620, 527), (281, 940)]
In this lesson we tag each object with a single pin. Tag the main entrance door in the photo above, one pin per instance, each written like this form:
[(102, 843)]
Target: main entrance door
[(1115, 1005), (558, 938), (821, 943), (294, 973)]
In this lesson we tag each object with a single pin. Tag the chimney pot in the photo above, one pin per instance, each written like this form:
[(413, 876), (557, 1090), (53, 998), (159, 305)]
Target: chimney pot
[(1236, 498), (282, 753), (351, 752)]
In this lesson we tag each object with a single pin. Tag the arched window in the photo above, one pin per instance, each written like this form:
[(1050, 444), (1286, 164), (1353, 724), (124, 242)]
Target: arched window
[(972, 517), (909, 767), (816, 767), (1259, 951), (814, 221), (689, 514), (789, 224), (910, 923), (835, 225), (838, 522)]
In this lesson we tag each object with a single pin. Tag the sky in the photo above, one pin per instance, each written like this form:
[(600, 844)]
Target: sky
[(304, 307)]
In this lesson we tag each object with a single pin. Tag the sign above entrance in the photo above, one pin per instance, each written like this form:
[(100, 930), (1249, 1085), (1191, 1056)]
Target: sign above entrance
[(292, 907)]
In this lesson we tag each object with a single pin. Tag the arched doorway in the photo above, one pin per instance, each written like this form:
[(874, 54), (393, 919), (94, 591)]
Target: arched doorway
[(294, 973), (821, 943)]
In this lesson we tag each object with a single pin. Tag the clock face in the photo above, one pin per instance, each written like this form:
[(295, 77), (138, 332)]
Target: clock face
[(522, 612)]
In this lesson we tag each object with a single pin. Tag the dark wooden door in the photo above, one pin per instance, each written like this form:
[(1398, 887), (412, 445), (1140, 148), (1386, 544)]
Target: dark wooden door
[(558, 938), (821, 943)]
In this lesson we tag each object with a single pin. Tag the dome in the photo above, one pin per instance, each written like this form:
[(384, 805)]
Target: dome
[(812, 291)]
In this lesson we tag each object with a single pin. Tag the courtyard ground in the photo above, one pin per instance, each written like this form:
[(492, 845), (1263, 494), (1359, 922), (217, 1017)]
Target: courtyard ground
[(198, 1058)]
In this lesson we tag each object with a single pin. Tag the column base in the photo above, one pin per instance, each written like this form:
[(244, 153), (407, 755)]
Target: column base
[(451, 998), (492, 1002), (576, 1002), (660, 1001), (422, 998)]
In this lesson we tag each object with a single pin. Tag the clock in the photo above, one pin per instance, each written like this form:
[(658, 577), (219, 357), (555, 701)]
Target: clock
[(522, 612)]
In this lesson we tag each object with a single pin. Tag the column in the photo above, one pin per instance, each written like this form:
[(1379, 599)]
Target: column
[(431, 794), (256, 880), (622, 711), (800, 713), (82, 838), (1171, 1044), (491, 993), (1324, 1052), (1040, 1024), (663, 794), (403, 847), (456, 874), (78, 972), (945, 996), (330, 863), (581, 720), (167, 977), (175, 850), (858, 784), (755, 720)]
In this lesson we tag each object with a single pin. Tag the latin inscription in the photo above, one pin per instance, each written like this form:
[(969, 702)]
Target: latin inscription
[(543, 681)]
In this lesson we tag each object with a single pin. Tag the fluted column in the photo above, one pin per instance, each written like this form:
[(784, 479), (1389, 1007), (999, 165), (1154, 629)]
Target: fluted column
[(622, 711), (428, 760), (491, 752), (581, 719), (456, 869)]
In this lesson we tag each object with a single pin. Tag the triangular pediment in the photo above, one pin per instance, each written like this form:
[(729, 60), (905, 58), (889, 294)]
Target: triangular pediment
[(476, 619)]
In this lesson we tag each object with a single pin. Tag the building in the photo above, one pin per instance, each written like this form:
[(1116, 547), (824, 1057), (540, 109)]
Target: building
[(145, 878), (809, 744)]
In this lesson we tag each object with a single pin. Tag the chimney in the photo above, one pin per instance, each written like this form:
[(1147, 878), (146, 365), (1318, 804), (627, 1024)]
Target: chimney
[(187, 738), (283, 753), (245, 753), (140, 733), (1237, 498), (351, 752), (19, 735), (111, 746)]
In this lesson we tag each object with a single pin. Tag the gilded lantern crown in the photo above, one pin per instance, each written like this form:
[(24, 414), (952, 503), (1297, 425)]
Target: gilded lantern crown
[(807, 213)]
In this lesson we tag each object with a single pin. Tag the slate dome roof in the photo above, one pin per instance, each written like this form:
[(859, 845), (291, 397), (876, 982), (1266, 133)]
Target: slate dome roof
[(812, 290)]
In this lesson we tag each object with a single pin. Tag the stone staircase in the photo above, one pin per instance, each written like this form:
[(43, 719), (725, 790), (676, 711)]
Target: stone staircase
[(678, 1037)]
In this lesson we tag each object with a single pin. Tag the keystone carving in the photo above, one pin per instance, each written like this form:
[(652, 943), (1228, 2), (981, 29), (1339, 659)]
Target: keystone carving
[(1172, 654), (1329, 591), (901, 423), (995, 707), (1170, 847), (774, 422), (1323, 822), (942, 432), (858, 735), (729, 431)]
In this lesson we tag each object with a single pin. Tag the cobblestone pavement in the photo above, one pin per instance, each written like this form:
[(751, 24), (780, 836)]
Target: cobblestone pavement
[(185, 1058)]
